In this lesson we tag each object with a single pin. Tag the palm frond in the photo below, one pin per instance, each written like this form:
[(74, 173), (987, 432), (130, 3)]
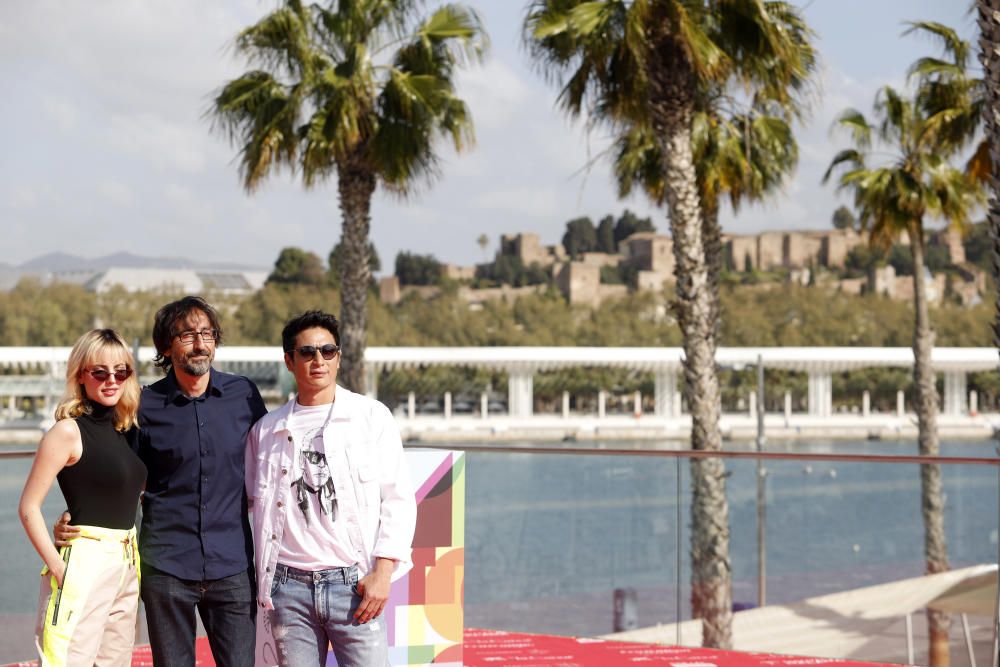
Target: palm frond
[(949, 40), (854, 121)]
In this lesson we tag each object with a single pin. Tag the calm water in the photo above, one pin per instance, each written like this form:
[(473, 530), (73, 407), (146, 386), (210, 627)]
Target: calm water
[(550, 537)]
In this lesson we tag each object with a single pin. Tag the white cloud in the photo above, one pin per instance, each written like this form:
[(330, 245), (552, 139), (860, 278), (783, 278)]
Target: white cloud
[(62, 112), (158, 141), (495, 93), (22, 196), (531, 202), (116, 192)]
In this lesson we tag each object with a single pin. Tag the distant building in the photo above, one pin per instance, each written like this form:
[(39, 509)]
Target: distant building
[(951, 239), (189, 281), (529, 249), (389, 290), (768, 251), (649, 251), (579, 282), (455, 272)]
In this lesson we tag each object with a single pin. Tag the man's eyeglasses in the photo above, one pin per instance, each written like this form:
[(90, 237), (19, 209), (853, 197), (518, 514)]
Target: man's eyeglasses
[(206, 335), (309, 351), (102, 374)]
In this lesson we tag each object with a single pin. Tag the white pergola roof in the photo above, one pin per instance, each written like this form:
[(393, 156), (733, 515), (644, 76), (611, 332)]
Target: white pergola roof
[(804, 359)]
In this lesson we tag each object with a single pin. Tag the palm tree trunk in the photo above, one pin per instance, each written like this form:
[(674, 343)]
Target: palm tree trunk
[(712, 239), (356, 185), (989, 42), (931, 492), (672, 107)]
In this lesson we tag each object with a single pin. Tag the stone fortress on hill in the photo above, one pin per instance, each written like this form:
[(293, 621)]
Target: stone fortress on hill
[(803, 257)]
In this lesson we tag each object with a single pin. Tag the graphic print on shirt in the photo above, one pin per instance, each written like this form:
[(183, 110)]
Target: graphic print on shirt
[(315, 481)]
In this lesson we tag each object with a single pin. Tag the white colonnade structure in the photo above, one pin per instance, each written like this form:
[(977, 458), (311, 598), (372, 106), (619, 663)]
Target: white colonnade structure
[(39, 371)]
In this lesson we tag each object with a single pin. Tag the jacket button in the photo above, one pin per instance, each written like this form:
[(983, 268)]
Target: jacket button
[(267, 569), (284, 471), (279, 504), (289, 438), (273, 536)]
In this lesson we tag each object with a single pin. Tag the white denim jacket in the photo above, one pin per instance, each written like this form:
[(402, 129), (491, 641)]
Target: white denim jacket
[(366, 455)]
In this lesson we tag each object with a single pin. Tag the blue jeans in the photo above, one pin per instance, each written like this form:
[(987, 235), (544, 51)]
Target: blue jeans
[(227, 608), (314, 609)]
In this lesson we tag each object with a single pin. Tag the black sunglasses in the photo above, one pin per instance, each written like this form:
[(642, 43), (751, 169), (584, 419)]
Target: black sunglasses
[(102, 374), (309, 351)]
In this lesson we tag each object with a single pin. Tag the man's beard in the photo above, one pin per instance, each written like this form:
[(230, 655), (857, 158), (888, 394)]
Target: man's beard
[(197, 367)]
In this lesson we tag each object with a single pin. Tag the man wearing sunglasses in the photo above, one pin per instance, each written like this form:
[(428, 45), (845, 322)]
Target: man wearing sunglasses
[(333, 508), (195, 542)]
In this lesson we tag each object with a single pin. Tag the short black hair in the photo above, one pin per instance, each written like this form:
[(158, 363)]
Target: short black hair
[(165, 322), (311, 319)]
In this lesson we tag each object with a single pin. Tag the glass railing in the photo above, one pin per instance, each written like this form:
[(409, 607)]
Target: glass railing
[(584, 540)]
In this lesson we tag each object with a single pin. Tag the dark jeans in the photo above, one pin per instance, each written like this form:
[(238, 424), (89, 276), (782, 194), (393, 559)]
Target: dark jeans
[(227, 609)]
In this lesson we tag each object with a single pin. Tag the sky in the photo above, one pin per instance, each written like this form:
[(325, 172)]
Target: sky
[(107, 148)]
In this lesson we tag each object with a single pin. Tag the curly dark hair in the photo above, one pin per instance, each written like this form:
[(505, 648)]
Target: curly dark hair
[(165, 325), (310, 319)]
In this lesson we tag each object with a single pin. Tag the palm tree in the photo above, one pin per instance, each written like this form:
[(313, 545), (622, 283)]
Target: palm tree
[(893, 198), (988, 12), (643, 63), (357, 89), (743, 157)]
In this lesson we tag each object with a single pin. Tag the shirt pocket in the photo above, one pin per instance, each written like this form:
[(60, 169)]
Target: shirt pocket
[(367, 476), (265, 478)]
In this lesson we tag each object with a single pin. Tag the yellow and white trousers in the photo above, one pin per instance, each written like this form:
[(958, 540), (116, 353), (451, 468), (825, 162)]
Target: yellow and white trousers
[(90, 620)]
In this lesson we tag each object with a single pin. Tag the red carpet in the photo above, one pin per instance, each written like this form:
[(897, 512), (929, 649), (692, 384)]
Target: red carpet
[(484, 648), (492, 648)]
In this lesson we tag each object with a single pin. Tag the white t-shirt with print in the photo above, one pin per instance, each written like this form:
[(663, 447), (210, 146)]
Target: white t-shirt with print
[(315, 536)]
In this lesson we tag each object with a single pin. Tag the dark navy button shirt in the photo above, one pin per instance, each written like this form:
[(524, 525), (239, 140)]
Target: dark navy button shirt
[(194, 511)]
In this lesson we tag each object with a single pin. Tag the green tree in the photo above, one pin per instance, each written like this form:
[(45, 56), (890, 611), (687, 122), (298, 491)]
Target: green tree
[(979, 246), (580, 237), (357, 89), (843, 218), (297, 266), (642, 64), (628, 224), (413, 269), (935, 259), (606, 235), (483, 241), (335, 262), (893, 198)]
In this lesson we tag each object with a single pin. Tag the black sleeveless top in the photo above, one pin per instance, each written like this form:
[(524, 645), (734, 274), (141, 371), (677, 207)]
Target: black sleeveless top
[(103, 487)]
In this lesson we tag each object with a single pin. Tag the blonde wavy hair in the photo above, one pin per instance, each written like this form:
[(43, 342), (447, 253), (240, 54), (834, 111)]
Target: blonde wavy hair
[(85, 352)]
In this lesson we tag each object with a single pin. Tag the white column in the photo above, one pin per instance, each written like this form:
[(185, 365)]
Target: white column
[(820, 394), (411, 405), (565, 405), (973, 402), (520, 393), (954, 393), (447, 405), (371, 381), (866, 403), (665, 393), (637, 403), (484, 405), (788, 405), (602, 398), (752, 403), (900, 403)]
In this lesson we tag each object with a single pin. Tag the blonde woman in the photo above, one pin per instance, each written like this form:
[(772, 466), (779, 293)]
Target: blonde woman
[(90, 588)]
